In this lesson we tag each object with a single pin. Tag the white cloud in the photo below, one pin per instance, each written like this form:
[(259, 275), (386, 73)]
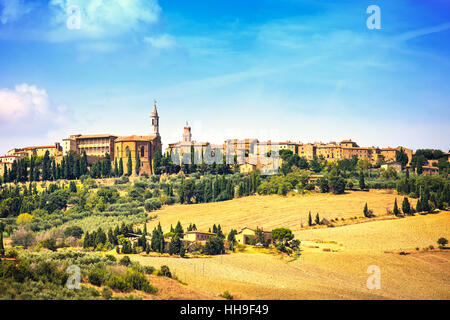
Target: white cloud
[(164, 41), (13, 10), (27, 110), (23, 101), (103, 19)]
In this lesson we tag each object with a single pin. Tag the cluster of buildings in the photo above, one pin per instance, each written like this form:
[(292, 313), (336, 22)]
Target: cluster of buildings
[(196, 238), (249, 151)]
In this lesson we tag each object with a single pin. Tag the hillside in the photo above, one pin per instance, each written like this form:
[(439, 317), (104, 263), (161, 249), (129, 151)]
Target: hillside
[(274, 211)]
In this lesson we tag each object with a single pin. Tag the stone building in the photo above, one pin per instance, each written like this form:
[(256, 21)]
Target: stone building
[(96, 146), (142, 147), (39, 151)]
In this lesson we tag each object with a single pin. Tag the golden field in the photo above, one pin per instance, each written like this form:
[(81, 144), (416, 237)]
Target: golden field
[(316, 274), (274, 211)]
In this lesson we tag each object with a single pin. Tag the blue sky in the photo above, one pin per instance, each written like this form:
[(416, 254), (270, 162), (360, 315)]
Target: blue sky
[(282, 70)]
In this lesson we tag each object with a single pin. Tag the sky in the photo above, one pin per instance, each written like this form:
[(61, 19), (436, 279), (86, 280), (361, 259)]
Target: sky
[(277, 70)]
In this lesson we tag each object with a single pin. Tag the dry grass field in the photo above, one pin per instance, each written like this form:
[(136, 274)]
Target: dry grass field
[(331, 275), (316, 274), (275, 211)]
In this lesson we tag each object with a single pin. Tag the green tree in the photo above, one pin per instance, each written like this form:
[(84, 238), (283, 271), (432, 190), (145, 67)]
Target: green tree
[(138, 165), (214, 246), (396, 211), (406, 207), (2, 248), (366, 211), (46, 166), (310, 219), (116, 169), (232, 239), (175, 245), (442, 242), (362, 183), (317, 219), (129, 165), (282, 235), (179, 230), (120, 167)]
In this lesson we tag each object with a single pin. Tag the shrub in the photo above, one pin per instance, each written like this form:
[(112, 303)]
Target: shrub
[(227, 295), (23, 237), (49, 243), (107, 293), (111, 258), (138, 281), (152, 204), (74, 231), (96, 276), (11, 253), (148, 269), (116, 282), (165, 272), (125, 261), (442, 242)]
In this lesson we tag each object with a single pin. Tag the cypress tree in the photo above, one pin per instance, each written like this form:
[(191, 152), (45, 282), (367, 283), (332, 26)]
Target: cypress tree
[(5, 173), (406, 208), (396, 211), (116, 169), (46, 166), (129, 165), (366, 211), (317, 219), (138, 165), (362, 183), (179, 230), (2, 248), (84, 164), (309, 219), (107, 166), (32, 165)]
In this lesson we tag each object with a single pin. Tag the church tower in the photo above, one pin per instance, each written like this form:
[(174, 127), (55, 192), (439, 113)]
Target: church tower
[(155, 121), (187, 136)]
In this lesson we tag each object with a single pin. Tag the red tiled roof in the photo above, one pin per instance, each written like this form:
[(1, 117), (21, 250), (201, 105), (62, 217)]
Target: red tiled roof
[(136, 138), (39, 147), (92, 136)]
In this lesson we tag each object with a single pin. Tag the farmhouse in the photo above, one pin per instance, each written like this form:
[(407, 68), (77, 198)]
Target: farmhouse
[(198, 236), (246, 234)]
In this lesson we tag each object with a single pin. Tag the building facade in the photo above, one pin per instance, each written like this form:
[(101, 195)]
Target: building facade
[(139, 147), (95, 145)]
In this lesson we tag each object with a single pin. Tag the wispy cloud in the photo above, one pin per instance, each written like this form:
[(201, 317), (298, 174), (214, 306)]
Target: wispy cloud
[(164, 41), (423, 32), (12, 10), (102, 19)]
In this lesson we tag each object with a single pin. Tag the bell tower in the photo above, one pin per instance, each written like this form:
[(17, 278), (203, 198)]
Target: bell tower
[(155, 121)]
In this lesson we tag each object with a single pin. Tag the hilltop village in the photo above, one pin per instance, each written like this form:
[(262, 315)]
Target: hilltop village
[(140, 150)]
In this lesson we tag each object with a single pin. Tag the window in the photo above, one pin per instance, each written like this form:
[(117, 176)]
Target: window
[(127, 150), (142, 152)]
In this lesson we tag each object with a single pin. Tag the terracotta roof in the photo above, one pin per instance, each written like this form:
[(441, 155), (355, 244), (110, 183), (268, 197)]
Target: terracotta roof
[(91, 136), (430, 167), (12, 156), (347, 141), (252, 230), (136, 138), (39, 147), (202, 232), (389, 149)]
